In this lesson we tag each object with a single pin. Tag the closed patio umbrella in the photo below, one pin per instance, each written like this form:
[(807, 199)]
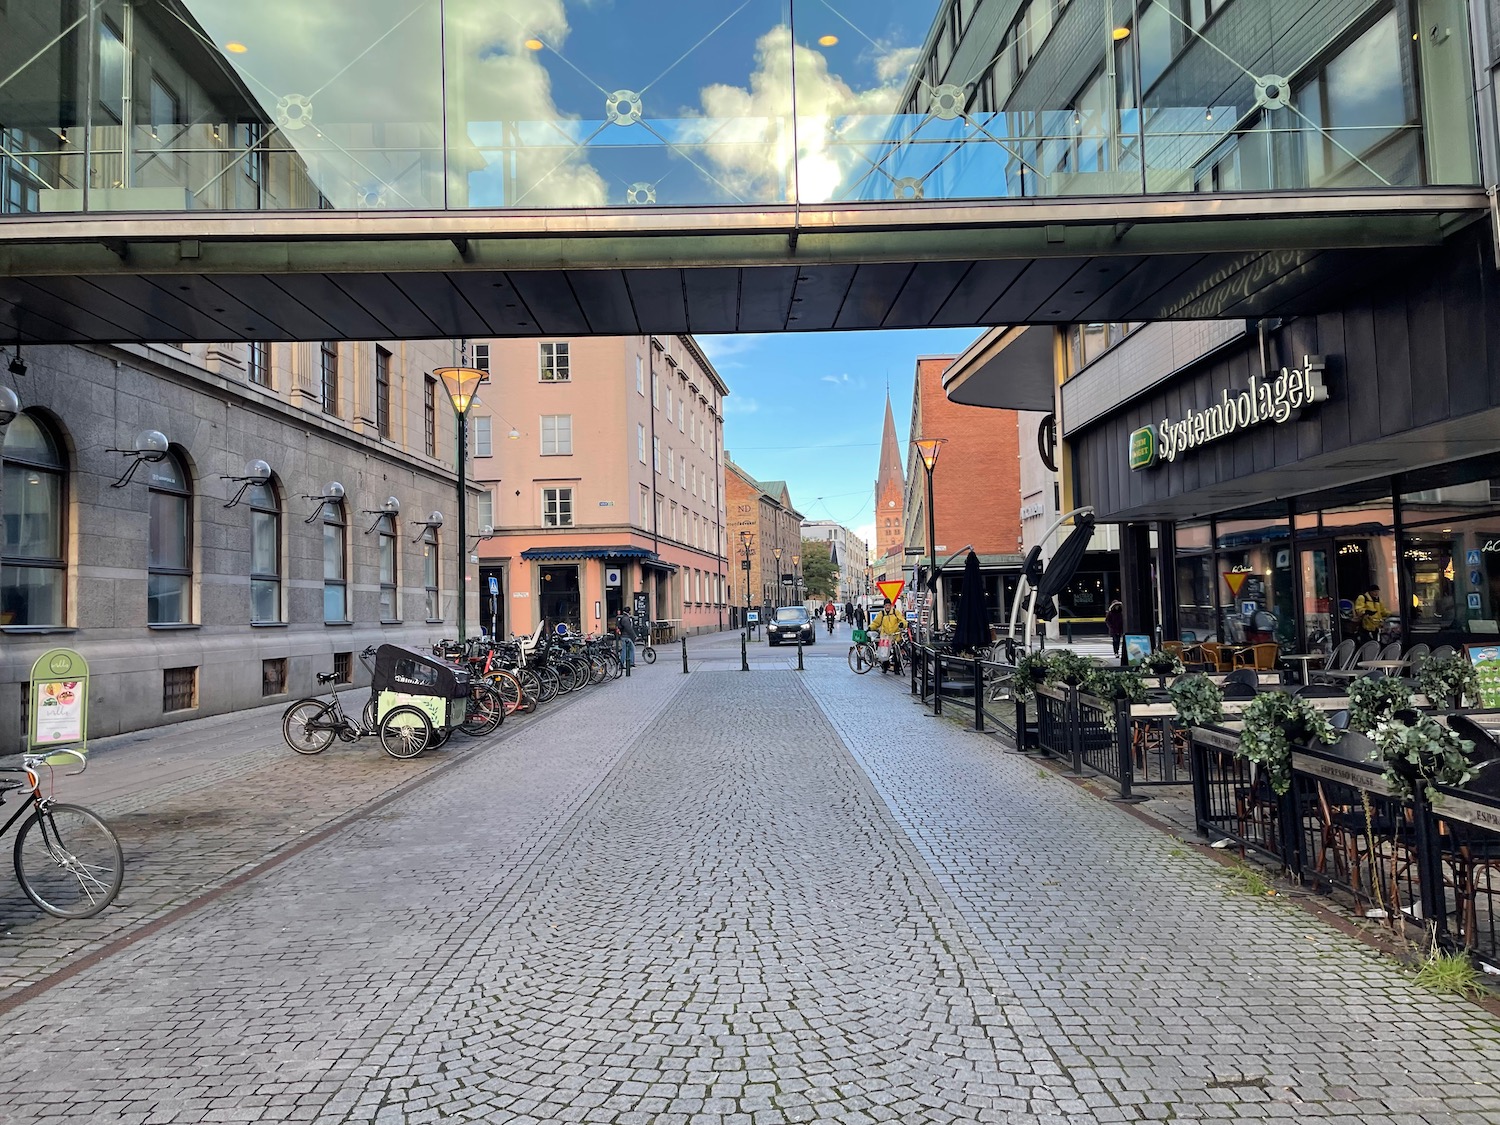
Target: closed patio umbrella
[(1063, 565), (971, 626)]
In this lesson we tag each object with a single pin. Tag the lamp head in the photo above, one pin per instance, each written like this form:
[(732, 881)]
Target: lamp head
[(17, 364), (391, 507), (257, 472), (333, 490), (928, 449), (460, 383), (435, 519), (152, 445), (10, 406)]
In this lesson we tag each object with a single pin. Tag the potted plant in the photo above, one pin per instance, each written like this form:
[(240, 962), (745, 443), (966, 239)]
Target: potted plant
[(1274, 722), (1371, 701), (1113, 685), (1032, 671), (1445, 680), (1417, 750), (1197, 698), (1162, 662), (1069, 668)]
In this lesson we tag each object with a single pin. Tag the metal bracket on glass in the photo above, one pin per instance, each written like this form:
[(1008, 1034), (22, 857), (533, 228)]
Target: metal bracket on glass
[(1273, 92), (640, 193), (623, 107), (907, 187), (294, 111), (947, 102)]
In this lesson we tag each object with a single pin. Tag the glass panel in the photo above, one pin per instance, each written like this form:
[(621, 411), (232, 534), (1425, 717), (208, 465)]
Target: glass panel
[(31, 595), (167, 473), (1317, 603), (388, 604), (265, 553), (1196, 612), (387, 560), (334, 604), (27, 440), (333, 551), (167, 599), (1453, 575), (429, 564), (265, 600), (32, 513), (170, 527), (434, 610)]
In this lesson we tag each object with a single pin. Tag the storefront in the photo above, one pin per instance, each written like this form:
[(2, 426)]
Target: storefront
[(1287, 473)]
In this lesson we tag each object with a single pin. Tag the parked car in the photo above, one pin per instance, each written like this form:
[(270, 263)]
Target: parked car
[(789, 623)]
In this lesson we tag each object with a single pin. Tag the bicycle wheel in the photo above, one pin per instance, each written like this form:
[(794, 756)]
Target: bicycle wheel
[(508, 688), (547, 676), (307, 726), (861, 660), (405, 732), (616, 665), (369, 718), (598, 669), (531, 689), (483, 712), (649, 654), (68, 861)]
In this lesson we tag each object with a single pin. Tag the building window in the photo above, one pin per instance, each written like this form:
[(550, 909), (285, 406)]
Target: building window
[(481, 357), (1355, 103), (671, 465), (644, 511), (430, 574), (482, 437), (486, 510), (329, 366), (343, 667), (681, 412), (554, 362), (383, 392), (170, 544), (179, 689), (335, 570), (166, 114), (640, 377), (390, 598), (258, 364), (273, 676), (111, 70), (658, 524), (429, 415), (557, 434), (682, 470), (33, 566), (640, 442), (656, 454), (655, 390), (265, 554), (557, 507)]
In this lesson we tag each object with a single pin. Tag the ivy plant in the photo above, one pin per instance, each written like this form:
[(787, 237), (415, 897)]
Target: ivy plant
[(1274, 721), (1162, 662), (1032, 671), (1371, 701), (1197, 698), (1424, 753), (1113, 684), (1445, 680), (1069, 667)]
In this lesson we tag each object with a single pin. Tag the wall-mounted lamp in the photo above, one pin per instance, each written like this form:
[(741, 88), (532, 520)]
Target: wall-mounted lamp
[(150, 446), (17, 364), (431, 523), (391, 507), (333, 492), (486, 532), (256, 472), (10, 406)]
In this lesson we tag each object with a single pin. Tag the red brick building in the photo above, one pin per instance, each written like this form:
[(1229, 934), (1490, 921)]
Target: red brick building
[(976, 488)]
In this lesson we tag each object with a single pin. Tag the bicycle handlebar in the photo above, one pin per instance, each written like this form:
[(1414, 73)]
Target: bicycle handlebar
[(31, 761)]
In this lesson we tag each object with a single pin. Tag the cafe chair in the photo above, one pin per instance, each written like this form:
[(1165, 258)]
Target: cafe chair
[(1391, 651), (1319, 691), (1370, 650), (1338, 660), (1242, 677), (1415, 656), (1218, 657), (1261, 656)]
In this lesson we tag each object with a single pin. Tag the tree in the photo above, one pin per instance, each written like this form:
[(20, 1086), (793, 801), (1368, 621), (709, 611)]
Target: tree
[(820, 578)]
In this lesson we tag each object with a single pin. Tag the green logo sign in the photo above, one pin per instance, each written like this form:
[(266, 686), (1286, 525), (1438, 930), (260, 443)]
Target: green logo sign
[(1143, 448)]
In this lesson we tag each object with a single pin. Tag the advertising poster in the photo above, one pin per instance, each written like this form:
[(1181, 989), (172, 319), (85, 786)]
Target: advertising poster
[(59, 712), (1136, 647)]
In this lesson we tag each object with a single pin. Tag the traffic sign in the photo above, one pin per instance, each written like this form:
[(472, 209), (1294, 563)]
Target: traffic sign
[(891, 589), (494, 586)]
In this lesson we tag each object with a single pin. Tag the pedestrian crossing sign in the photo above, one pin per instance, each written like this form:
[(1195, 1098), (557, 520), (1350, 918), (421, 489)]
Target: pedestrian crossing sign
[(892, 590)]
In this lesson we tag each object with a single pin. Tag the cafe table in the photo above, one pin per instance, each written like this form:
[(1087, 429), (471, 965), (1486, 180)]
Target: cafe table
[(1389, 667), (1305, 659)]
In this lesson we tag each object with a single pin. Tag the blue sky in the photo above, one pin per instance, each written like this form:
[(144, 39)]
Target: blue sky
[(807, 408)]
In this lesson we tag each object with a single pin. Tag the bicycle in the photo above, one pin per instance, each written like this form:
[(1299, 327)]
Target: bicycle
[(310, 725), (644, 648), (68, 861), (862, 657)]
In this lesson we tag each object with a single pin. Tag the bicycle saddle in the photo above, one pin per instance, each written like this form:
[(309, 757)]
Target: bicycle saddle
[(327, 677)]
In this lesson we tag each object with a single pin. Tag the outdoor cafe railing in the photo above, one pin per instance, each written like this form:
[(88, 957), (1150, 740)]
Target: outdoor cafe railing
[(981, 688), (1341, 827)]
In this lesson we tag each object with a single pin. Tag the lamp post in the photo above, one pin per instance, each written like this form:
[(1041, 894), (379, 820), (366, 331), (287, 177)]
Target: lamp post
[(747, 539), (928, 449), (796, 579), (461, 383)]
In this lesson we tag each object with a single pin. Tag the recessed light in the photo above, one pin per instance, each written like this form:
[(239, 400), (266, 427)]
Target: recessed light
[(533, 44), (235, 47), (827, 40)]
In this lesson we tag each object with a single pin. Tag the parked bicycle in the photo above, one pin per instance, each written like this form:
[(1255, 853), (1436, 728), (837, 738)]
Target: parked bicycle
[(68, 861)]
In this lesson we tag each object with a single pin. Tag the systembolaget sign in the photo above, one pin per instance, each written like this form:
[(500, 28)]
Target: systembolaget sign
[(1267, 400)]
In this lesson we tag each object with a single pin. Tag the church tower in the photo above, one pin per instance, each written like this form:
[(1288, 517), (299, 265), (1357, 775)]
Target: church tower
[(890, 496)]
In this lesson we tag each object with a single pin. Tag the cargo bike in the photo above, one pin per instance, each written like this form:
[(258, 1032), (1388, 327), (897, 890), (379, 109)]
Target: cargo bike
[(416, 702)]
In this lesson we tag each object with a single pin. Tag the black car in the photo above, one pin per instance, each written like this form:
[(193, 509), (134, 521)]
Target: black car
[(790, 622)]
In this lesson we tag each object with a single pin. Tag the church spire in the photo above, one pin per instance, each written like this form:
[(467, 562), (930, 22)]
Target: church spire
[(890, 453), (890, 492)]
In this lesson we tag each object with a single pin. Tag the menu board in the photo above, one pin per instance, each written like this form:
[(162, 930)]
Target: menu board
[(1486, 661), (59, 712)]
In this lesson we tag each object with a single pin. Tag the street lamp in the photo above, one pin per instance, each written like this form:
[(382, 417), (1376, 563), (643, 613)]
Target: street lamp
[(777, 552), (796, 579), (747, 540), (461, 383), (928, 449)]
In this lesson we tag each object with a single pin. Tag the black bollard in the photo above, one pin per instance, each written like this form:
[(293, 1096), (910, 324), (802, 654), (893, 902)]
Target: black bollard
[(799, 654), (684, 654), (744, 656)]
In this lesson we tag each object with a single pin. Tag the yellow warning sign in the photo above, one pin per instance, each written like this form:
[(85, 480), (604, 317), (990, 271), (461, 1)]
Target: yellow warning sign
[(892, 590), (1235, 580)]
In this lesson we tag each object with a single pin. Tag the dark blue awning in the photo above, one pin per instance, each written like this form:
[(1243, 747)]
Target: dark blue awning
[(569, 553)]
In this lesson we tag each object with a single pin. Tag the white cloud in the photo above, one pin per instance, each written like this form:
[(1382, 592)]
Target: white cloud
[(737, 404), (866, 531)]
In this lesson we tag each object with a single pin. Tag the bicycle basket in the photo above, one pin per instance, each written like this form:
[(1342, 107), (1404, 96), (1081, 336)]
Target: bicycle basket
[(860, 636)]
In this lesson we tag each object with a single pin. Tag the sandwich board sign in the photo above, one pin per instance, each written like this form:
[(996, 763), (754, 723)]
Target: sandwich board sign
[(58, 698)]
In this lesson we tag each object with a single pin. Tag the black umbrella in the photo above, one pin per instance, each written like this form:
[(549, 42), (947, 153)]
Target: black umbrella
[(1064, 564), (971, 625)]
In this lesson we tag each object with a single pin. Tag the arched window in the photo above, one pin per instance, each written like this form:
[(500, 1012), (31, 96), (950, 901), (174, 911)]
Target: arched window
[(169, 561), (430, 574), (33, 568), (265, 554), (390, 597), (335, 573)]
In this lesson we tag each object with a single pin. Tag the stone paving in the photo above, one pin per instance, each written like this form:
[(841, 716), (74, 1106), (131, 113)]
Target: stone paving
[(750, 899)]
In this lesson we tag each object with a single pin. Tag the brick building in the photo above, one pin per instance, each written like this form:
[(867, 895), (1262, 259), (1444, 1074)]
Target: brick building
[(763, 510)]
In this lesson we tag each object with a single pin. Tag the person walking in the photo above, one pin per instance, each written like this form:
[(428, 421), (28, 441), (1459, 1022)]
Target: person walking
[(625, 626), (1114, 621), (859, 617), (849, 612)]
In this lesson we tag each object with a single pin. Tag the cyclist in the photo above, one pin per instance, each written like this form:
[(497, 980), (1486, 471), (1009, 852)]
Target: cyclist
[(888, 627), (830, 611)]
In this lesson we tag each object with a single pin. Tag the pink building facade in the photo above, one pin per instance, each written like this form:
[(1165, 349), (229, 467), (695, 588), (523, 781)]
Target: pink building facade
[(600, 462)]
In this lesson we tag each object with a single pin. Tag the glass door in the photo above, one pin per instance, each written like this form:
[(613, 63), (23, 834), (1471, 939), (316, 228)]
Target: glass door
[(1319, 598)]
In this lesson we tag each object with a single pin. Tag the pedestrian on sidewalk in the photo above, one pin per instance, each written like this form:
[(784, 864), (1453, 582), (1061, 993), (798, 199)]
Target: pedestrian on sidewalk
[(859, 617), (849, 612), (625, 626), (1114, 621)]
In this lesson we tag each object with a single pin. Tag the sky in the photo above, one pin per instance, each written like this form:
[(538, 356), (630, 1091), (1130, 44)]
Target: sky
[(808, 407)]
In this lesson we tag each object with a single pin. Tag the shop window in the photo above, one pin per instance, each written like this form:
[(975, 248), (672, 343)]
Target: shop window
[(1256, 585), (169, 543), (390, 596), (335, 563), (430, 574), (265, 554), (555, 362), (33, 561), (1197, 603)]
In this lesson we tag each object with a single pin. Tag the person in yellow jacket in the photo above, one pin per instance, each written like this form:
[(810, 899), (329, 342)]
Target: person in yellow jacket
[(1369, 613), (887, 627)]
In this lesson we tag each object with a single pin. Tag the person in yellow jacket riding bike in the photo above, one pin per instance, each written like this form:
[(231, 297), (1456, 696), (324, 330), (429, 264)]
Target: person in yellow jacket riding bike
[(887, 629), (1369, 613)]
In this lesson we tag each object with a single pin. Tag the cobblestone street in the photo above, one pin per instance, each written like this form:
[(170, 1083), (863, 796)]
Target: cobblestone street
[(695, 900)]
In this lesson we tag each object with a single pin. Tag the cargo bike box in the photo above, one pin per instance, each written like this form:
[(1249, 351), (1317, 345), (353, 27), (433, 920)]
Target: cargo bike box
[(405, 677)]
